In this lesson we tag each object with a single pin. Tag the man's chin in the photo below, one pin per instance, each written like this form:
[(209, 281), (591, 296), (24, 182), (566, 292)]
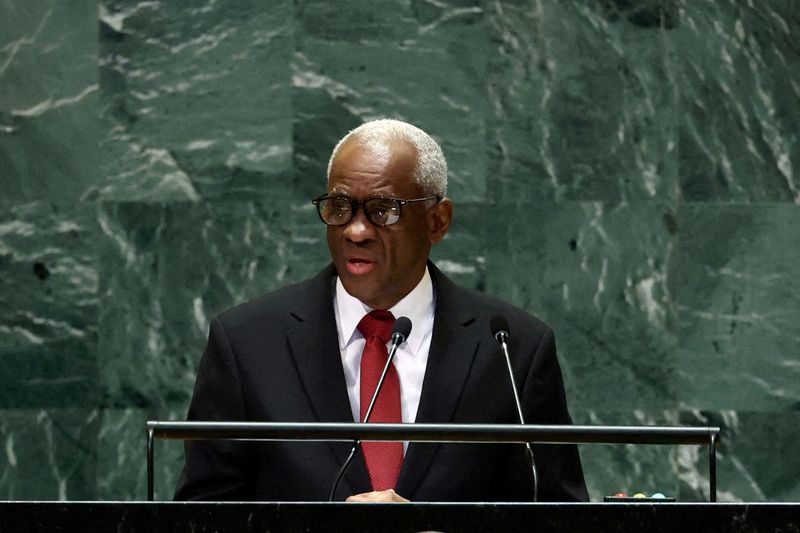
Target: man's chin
[(358, 287)]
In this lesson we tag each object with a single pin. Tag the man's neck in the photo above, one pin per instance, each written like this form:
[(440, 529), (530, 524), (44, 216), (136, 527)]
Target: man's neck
[(414, 305)]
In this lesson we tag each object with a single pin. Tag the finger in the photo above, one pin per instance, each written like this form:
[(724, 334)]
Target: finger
[(388, 495)]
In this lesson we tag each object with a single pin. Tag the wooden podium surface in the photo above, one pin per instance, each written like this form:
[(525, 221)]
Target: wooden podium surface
[(309, 517)]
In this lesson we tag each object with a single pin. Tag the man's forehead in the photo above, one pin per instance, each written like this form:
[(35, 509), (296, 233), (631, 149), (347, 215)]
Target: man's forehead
[(379, 165), (373, 185)]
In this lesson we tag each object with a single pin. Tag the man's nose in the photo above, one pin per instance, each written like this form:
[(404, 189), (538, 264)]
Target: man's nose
[(359, 229)]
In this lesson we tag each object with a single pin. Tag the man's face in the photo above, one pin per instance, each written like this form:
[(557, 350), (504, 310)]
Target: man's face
[(379, 265)]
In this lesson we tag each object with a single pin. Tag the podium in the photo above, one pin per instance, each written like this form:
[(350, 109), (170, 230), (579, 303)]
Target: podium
[(132, 517)]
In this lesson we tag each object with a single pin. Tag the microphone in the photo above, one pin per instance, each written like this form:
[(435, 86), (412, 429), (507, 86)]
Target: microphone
[(500, 331), (400, 332), (499, 326)]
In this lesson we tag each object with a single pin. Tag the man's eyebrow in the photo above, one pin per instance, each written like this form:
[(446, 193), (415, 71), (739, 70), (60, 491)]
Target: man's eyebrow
[(340, 192)]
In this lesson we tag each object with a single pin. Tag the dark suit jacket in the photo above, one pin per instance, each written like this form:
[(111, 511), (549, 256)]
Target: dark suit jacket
[(276, 358)]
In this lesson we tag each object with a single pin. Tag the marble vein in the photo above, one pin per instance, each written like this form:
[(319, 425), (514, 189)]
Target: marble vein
[(14, 47), (116, 20), (51, 104), (449, 14), (10, 454)]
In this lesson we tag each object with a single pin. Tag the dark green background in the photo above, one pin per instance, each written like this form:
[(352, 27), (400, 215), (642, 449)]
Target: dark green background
[(626, 170)]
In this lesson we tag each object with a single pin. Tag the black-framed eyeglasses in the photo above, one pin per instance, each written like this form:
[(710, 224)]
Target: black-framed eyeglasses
[(339, 210)]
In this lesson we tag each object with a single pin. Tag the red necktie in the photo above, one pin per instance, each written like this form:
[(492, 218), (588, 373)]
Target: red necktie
[(383, 458)]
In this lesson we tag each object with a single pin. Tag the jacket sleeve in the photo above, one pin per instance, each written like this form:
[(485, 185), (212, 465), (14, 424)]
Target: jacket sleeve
[(217, 469), (560, 475)]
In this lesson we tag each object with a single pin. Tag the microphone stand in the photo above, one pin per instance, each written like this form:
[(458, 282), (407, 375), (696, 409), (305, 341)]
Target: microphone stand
[(501, 337), (397, 340)]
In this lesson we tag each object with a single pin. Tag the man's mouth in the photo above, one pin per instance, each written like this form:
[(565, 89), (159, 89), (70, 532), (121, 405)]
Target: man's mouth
[(359, 266)]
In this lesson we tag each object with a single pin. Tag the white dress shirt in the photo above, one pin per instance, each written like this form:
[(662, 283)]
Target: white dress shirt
[(411, 357)]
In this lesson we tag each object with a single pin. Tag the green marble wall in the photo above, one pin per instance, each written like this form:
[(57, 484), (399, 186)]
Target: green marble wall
[(627, 170)]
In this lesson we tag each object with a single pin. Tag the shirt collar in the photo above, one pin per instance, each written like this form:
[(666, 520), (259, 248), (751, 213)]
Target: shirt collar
[(417, 305)]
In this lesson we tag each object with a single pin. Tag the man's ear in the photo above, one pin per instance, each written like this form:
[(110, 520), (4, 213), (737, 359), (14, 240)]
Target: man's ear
[(439, 217)]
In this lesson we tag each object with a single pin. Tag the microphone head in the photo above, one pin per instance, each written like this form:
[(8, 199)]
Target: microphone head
[(499, 327), (401, 330)]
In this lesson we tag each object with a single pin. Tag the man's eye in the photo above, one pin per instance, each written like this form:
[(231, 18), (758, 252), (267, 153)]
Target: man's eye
[(336, 209)]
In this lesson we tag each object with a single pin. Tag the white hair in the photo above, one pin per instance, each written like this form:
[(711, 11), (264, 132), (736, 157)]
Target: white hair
[(430, 172)]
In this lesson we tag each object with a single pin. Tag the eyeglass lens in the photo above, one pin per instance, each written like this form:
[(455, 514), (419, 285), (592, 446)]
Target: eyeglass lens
[(338, 211)]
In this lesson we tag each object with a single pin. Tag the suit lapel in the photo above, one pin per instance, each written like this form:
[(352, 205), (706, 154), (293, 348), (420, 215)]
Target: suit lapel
[(451, 355), (314, 348)]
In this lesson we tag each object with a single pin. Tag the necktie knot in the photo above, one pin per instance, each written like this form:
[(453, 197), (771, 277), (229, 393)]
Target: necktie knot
[(377, 324)]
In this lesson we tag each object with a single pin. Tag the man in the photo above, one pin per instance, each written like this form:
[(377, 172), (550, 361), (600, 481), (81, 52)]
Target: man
[(310, 353)]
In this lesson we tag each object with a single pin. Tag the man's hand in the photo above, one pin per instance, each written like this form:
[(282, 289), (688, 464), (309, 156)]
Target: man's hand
[(377, 496)]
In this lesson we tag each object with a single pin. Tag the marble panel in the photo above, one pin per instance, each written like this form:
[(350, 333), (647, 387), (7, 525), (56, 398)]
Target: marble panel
[(424, 64), (166, 271), (463, 252), (122, 457), (574, 113), (632, 468), (739, 74), (598, 276), (48, 100), (756, 456), (196, 97), (49, 454), (734, 280), (309, 246), (48, 306)]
